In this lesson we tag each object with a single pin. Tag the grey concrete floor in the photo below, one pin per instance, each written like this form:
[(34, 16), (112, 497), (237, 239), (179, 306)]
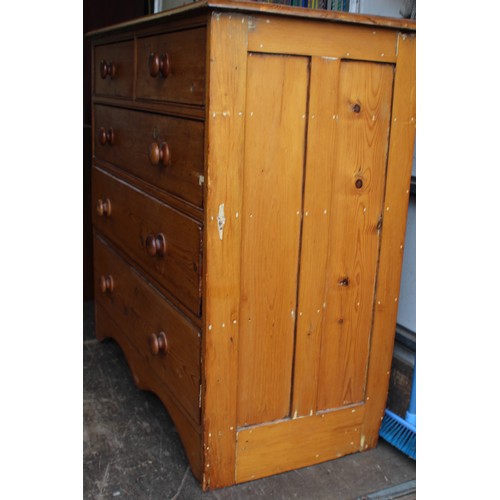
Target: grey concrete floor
[(132, 450)]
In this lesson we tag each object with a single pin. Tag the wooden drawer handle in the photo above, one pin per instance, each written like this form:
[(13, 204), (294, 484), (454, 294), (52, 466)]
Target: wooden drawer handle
[(159, 153), (156, 244), (103, 207), (106, 136), (108, 69), (106, 284), (158, 343), (159, 65)]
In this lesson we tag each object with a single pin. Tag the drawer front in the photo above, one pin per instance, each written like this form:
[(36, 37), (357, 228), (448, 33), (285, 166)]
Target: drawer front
[(162, 150), (142, 314), (114, 69), (164, 242), (171, 67)]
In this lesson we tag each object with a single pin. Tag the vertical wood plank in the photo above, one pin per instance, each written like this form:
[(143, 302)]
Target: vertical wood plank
[(402, 140), (272, 199), (323, 102), (227, 54), (361, 140)]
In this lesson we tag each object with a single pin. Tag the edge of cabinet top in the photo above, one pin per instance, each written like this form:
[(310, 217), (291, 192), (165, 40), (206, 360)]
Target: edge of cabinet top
[(263, 8)]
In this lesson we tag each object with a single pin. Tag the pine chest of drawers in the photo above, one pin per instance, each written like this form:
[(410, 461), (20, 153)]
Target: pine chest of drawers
[(250, 186)]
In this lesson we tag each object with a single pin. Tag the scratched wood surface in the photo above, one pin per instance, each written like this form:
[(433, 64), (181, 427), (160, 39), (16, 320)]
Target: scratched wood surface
[(313, 38), (402, 140), (224, 173), (299, 273), (269, 449), (272, 202), (358, 188), (322, 123)]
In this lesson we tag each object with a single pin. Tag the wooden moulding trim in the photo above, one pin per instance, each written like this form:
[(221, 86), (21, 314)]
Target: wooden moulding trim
[(224, 129), (312, 38), (401, 143), (290, 444)]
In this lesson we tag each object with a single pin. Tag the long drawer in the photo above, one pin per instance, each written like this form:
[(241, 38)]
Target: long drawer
[(164, 151), (168, 343), (161, 240)]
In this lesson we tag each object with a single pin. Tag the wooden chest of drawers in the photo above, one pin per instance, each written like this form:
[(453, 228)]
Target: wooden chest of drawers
[(251, 176)]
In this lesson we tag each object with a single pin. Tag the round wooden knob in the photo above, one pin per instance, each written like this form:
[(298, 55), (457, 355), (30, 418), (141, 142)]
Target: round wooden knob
[(107, 69), (103, 207), (159, 153), (159, 65), (106, 136), (158, 343), (156, 245), (106, 283)]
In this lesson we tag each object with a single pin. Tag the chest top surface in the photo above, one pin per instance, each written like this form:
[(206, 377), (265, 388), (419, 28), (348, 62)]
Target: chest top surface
[(248, 7)]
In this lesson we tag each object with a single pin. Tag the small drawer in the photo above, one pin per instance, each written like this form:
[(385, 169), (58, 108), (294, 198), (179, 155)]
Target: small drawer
[(167, 342), (114, 69), (171, 67), (164, 151), (161, 240)]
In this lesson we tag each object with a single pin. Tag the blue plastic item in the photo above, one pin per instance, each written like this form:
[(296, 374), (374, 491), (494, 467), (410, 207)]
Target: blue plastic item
[(402, 433)]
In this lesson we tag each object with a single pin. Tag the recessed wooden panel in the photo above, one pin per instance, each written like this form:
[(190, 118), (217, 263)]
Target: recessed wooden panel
[(271, 221), (322, 124), (359, 172)]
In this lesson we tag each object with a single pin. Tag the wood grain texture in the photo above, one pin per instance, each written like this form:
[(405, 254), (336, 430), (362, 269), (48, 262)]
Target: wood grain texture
[(224, 176), (122, 56), (361, 143), (402, 140), (135, 131), (281, 226), (189, 433), (139, 310), (187, 55), (307, 37), (323, 108), (270, 449), (272, 203), (134, 217)]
